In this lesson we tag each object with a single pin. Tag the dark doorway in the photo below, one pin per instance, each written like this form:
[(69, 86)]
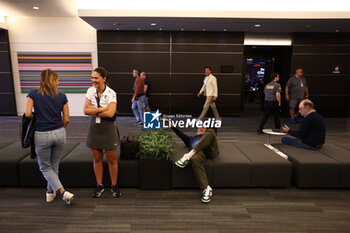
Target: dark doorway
[(259, 63)]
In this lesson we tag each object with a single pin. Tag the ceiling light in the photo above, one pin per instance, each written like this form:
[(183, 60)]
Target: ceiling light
[(139, 29), (35, 8), (160, 29), (337, 30), (153, 24), (225, 30), (182, 29), (257, 25)]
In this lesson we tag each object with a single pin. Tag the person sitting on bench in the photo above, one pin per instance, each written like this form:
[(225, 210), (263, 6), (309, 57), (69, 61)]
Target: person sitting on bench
[(202, 146), (312, 131)]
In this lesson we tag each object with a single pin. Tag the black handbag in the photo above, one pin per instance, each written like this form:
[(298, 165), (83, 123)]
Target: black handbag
[(129, 147), (27, 134)]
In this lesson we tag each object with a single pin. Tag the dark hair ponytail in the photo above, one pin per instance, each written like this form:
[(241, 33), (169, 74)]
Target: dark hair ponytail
[(104, 74)]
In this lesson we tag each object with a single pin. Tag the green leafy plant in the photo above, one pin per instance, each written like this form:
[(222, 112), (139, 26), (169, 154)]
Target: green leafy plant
[(157, 144)]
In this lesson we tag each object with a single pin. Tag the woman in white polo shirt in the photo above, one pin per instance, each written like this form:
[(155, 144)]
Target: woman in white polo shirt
[(101, 104)]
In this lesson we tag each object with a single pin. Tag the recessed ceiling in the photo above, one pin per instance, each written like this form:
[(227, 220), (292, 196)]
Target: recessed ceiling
[(219, 24)]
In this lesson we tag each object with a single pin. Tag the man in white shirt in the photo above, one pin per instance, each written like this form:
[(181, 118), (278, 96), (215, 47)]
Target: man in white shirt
[(210, 90)]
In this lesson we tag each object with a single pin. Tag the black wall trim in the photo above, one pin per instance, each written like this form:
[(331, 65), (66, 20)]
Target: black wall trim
[(7, 94)]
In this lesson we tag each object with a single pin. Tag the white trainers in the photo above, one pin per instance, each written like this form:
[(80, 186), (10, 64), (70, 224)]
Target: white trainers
[(182, 163), (207, 194), (50, 196), (68, 197)]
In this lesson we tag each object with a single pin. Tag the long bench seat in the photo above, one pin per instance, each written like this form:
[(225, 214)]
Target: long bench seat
[(237, 165), (328, 167)]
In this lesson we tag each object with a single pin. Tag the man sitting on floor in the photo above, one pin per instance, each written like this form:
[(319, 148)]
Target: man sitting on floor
[(312, 131), (202, 146)]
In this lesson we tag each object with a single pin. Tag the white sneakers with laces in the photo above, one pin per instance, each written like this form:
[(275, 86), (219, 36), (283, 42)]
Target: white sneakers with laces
[(50, 196), (68, 197), (182, 163), (207, 194)]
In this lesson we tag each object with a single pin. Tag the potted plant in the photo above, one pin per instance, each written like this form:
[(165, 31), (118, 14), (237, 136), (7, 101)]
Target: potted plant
[(157, 148)]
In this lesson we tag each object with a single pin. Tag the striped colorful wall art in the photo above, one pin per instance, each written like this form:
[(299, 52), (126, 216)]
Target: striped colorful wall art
[(74, 70)]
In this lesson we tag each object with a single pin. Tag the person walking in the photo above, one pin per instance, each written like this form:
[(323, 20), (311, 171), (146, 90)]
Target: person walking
[(272, 103), (50, 133), (138, 99), (296, 90), (101, 104), (210, 90), (147, 86)]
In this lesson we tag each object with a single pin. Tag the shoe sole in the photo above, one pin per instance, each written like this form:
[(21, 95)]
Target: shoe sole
[(115, 195), (205, 201), (180, 165), (99, 194)]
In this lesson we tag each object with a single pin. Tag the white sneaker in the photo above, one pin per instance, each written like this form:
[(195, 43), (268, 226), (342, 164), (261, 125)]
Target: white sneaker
[(207, 194), (182, 163), (50, 196), (68, 197)]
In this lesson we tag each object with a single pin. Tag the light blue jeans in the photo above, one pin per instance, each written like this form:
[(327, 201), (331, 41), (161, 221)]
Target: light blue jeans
[(294, 141), (138, 108), (49, 146)]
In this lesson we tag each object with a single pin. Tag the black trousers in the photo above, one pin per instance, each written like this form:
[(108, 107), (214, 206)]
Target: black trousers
[(271, 108)]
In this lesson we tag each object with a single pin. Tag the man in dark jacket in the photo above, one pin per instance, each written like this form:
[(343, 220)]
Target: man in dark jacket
[(312, 131), (202, 146)]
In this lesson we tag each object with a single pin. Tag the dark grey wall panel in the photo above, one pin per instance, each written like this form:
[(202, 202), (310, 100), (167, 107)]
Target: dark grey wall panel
[(7, 95), (6, 83), (8, 103), (5, 61), (195, 62), (126, 61), (317, 53), (133, 37), (206, 47), (175, 63), (208, 37), (133, 47), (123, 83)]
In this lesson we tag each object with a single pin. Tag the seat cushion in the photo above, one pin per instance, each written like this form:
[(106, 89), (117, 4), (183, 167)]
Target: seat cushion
[(184, 177), (268, 168), (10, 155), (76, 169), (343, 157), (128, 173), (231, 168), (29, 172), (312, 169)]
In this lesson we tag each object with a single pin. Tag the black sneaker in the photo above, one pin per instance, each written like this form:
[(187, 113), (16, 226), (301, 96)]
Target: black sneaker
[(98, 191), (137, 123), (115, 191)]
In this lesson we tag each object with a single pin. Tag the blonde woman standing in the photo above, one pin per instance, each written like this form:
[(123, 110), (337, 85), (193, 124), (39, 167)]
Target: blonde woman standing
[(50, 134), (101, 104)]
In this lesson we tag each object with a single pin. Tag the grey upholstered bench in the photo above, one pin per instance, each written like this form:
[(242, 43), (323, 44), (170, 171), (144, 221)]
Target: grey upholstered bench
[(184, 177), (10, 155), (30, 175), (268, 168), (237, 165), (328, 167)]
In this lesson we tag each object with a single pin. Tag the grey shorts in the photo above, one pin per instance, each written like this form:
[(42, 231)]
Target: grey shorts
[(293, 103)]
